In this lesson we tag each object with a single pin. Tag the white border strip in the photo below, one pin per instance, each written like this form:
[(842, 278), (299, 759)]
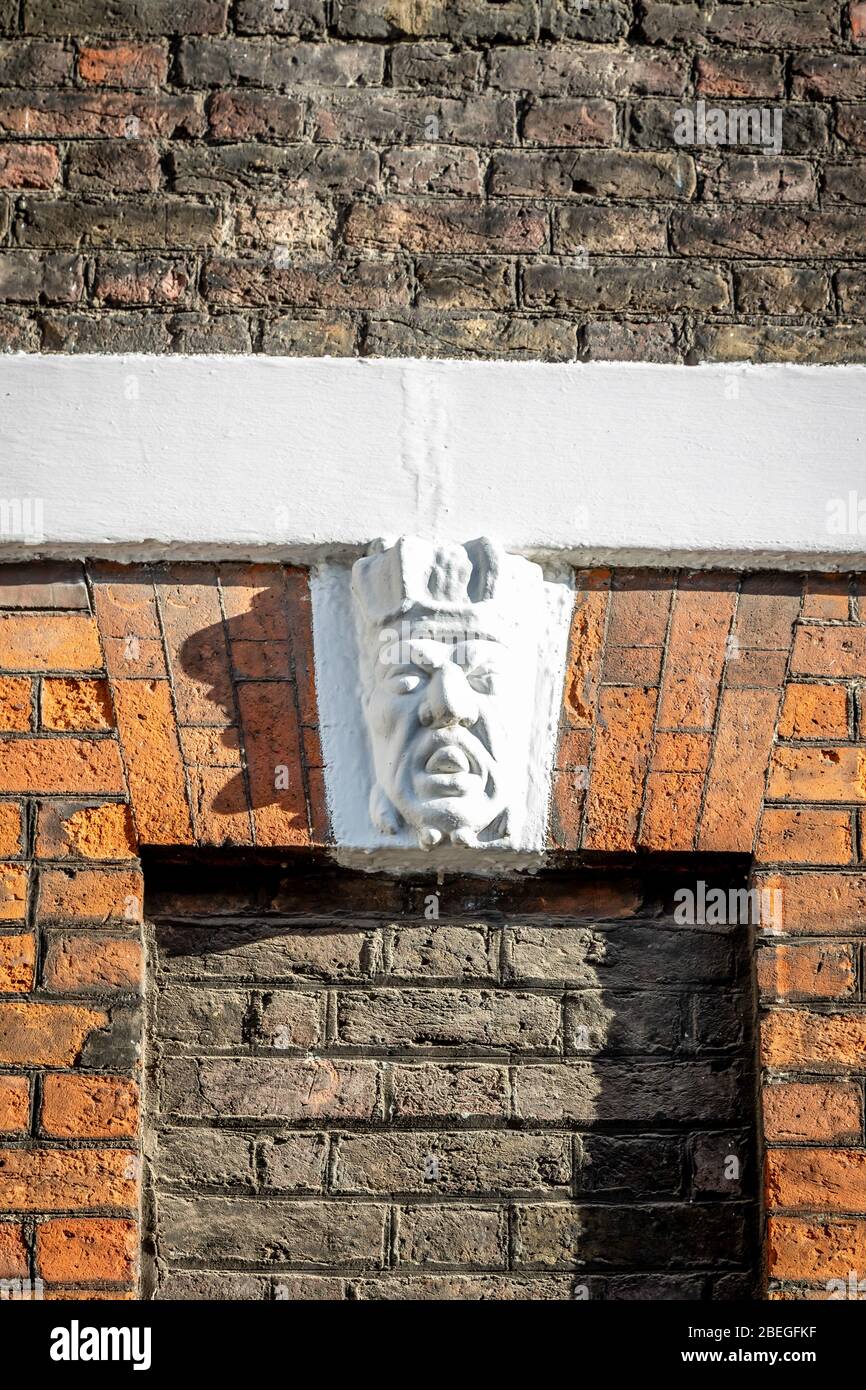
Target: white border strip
[(303, 459)]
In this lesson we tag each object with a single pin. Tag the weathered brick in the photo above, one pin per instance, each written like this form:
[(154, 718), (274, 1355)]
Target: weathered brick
[(619, 765), (432, 1236), (11, 828), (570, 70), (702, 614), (286, 1088), (145, 720), (461, 1163), (118, 224), (61, 641), (817, 774), (71, 114), (445, 226), (569, 122), (472, 21), (28, 166), (14, 1258), (453, 171), (774, 289), (14, 1106), (778, 232), (440, 1090), (735, 786), (260, 1232), (123, 65), (650, 285), (89, 1107), (222, 62), (565, 1236), (90, 895), (469, 1019), (609, 230), (814, 1249), (816, 1179), (128, 16), (601, 174), (34, 62), (120, 166)]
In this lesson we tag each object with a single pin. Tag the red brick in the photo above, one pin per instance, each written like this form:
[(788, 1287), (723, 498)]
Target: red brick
[(799, 1111), (90, 895), (196, 643), (85, 832), (65, 1179), (702, 614), (11, 829), (58, 765), (640, 603), (818, 774), (829, 651), (14, 1105), (681, 753), (271, 739), (71, 115), (89, 1107), (16, 704), (735, 788), (671, 810), (28, 166), (622, 746), (813, 903), (40, 1035), (857, 20), (124, 65), (807, 972), (14, 1260), (632, 665), (78, 705), (826, 596), (814, 712), (151, 753), (809, 1248), (48, 642), (17, 963), (767, 608), (13, 892), (816, 1179), (583, 663), (72, 1250), (805, 837), (79, 962), (823, 1042), (220, 812)]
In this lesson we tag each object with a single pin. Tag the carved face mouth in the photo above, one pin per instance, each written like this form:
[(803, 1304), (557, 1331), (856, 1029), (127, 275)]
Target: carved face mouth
[(450, 762)]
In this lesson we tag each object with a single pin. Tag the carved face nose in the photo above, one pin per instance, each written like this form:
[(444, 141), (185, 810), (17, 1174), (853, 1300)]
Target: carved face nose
[(450, 699)]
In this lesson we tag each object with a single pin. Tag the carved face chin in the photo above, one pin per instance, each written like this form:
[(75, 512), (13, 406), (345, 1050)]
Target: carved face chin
[(436, 711)]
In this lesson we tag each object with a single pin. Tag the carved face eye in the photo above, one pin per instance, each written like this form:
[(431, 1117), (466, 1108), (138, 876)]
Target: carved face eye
[(403, 683), (482, 679)]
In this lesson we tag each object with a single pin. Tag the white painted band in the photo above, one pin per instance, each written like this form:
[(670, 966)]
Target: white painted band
[(303, 459)]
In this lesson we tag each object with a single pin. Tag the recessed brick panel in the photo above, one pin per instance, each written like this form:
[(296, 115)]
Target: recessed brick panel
[(509, 1092)]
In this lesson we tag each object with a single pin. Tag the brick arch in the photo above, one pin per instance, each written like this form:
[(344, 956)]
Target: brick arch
[(147, 705)]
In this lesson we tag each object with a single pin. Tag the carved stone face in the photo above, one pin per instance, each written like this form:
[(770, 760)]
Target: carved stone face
[(438, 719), (448, 650)]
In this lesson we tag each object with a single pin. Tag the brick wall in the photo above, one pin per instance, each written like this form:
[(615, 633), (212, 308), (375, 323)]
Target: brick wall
[(546, 1093), (453, 179), (711, 714)]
